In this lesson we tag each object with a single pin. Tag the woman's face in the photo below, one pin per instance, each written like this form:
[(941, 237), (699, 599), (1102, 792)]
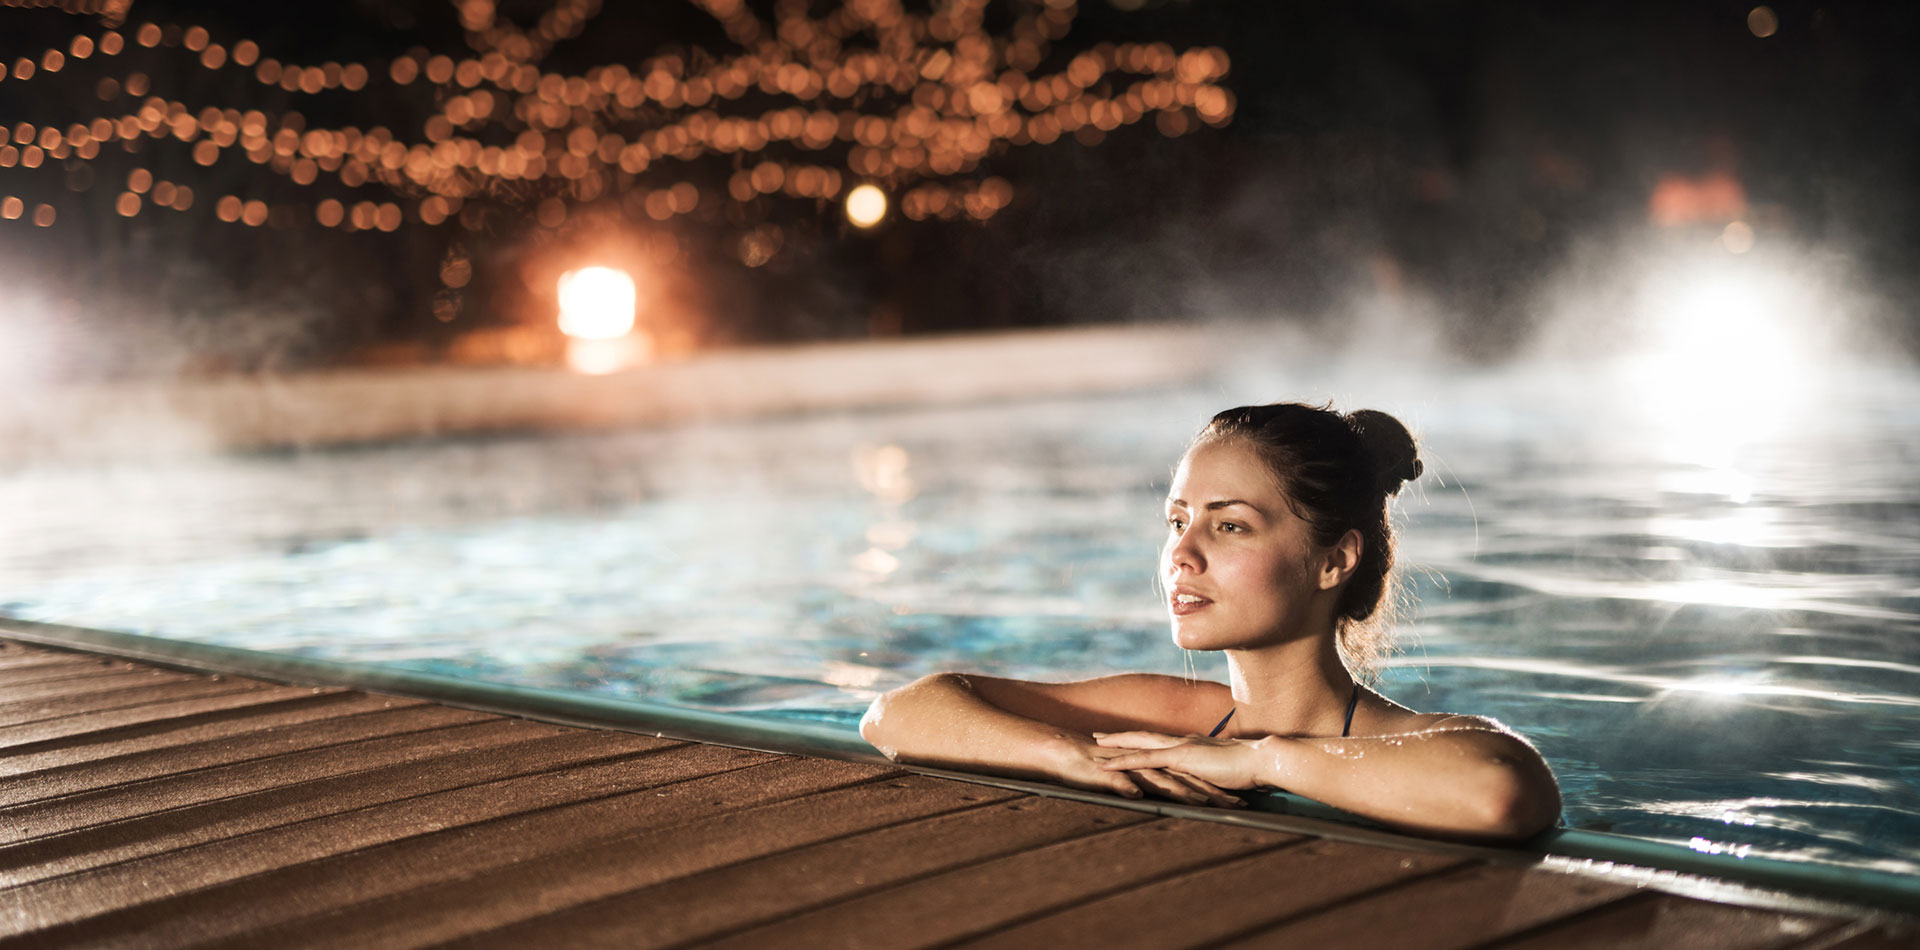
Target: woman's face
[(1239, 568)]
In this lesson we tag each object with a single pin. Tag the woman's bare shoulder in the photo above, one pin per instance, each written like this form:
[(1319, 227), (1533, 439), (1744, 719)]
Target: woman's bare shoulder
[(1387, 716)]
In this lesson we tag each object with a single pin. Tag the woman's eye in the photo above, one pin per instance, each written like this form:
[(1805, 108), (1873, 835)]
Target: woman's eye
[(1231, 528), (1177, 523)]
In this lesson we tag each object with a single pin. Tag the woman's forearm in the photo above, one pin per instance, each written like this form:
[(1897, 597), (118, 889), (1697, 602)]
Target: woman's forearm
[(941, 721), (1463, 781)]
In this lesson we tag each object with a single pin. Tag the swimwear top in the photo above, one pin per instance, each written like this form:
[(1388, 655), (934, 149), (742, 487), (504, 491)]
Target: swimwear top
[(1344, 730)]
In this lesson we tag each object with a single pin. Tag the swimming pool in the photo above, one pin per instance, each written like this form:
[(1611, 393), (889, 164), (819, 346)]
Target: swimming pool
[(1710, 633)]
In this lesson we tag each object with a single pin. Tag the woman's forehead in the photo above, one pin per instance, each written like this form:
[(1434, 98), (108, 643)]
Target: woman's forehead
[(1215, 469)]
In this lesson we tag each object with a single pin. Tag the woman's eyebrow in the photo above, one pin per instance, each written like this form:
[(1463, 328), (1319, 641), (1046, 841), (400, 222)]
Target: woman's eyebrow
[(1216, 505), (1230, 502)]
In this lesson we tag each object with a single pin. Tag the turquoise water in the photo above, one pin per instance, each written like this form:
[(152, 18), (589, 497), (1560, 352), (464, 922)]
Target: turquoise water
[(1706, 621)]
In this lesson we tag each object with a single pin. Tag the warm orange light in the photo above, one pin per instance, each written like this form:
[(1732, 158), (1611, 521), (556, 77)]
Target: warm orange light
[(866, 206), (596, 303), (600, 357)]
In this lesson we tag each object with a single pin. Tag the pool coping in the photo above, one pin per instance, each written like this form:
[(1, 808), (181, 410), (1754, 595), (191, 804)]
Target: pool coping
[(1766, 883), (350, 406)]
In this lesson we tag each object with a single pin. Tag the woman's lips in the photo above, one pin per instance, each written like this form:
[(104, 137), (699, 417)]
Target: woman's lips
[(1183, 603)]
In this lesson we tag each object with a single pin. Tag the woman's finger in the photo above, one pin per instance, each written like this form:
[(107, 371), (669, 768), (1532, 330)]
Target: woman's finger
[(1137, 740), (1145, 759), (1166, 786), (1219, 795)]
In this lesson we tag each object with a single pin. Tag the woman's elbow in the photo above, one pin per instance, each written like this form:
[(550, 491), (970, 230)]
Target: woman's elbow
[(880, 726), (874, 725), (1516, 806)]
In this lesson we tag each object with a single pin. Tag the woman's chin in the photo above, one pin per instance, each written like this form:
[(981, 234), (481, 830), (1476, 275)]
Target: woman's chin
[(1191, 638)]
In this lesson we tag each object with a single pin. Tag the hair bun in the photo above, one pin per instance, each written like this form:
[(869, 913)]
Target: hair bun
[(1396, 459)]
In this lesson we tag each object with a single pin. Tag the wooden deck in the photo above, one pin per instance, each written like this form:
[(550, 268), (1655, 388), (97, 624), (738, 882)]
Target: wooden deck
[(148, 807)]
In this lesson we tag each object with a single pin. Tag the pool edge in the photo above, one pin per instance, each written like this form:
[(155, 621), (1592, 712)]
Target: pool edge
[(1752, 882)]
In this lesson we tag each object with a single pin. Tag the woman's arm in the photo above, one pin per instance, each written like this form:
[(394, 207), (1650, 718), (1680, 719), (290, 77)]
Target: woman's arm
[(1038, 730), (1464, 776)]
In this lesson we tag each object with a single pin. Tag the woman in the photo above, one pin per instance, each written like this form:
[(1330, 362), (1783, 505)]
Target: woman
[(1278, 553)]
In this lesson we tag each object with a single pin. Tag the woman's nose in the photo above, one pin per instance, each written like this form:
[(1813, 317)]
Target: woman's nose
[(1183, 553)]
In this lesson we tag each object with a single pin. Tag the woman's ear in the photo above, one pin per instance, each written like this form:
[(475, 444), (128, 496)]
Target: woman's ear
[(1342, 559)]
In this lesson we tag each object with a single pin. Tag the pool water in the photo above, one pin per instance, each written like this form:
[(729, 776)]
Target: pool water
[(1708, 627)]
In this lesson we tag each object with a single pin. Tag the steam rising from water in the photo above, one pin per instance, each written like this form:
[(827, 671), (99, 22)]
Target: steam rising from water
[(1683, 510)]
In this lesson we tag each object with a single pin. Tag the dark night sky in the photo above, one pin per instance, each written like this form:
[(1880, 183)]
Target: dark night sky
[(1466, 147)]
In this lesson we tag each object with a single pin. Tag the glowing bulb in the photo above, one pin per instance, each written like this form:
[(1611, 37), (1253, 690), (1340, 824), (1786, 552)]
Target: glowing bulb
[(866, 205), (596, 303)]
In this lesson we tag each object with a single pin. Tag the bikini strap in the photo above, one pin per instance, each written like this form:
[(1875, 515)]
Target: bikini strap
[(1353, 702), (1223, 723)]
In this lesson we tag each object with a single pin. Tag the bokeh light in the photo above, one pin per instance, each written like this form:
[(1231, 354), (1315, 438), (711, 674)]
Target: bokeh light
[(596, 303), (866, 206), (930, 103)]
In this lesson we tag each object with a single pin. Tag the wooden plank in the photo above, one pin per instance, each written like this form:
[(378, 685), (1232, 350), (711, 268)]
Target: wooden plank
[(76, 812), (1288, 881), (15, 655), (970, 899), (561, 772), (1467, 905), (74, 667), (1869, 934), (516, 867), (41, 710), (139, 809), (372, 719), (113, 724), (749, 893), (98, 683), (1663, 920), (232, 725), (151, 839)]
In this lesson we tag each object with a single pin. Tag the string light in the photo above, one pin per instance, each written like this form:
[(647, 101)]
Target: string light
[(913, 104)]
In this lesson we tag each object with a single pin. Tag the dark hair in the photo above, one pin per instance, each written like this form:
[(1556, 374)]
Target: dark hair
[(1337, 472)]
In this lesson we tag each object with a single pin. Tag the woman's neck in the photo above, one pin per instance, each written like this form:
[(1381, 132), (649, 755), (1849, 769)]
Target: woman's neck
[(1295, 688)]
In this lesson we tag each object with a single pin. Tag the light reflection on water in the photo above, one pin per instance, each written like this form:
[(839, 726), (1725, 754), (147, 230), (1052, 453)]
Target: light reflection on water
[(1713, 651)]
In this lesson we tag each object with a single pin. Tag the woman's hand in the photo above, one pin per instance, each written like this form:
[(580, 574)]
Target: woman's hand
[(1085, 765), (1221, 763)]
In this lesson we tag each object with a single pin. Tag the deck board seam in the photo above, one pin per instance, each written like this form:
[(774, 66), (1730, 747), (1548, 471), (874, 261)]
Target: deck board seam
[(1458, 866), (79, 766), (634, 833), (67, 676), (729, 865), (607, 760), (146, 906), (129, 784), (1089, 898), (161, 725), (123, 733), (1612, 906), (910, 880), (131, 787), (238, 688)]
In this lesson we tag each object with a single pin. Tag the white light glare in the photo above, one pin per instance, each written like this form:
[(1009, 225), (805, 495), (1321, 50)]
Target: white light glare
[(1730, 351), (596, 303)]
